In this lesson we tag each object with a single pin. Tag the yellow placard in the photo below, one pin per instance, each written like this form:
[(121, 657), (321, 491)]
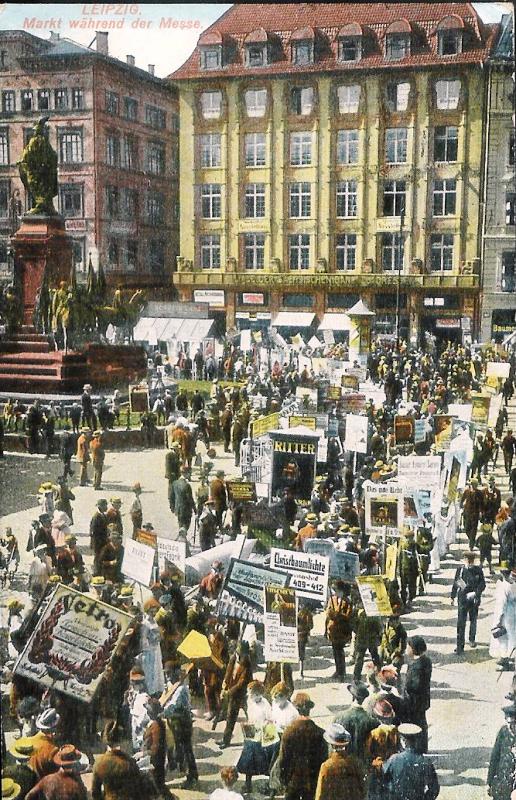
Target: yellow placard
[(307, 422), (391, 558), (262, 425), (373, 594)]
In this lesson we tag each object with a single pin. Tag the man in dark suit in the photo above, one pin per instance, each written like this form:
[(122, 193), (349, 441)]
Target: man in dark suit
[(468, 586), (182, 502), (239, 674), (417, 689), (99, 532), (303, 750), (407, 774)]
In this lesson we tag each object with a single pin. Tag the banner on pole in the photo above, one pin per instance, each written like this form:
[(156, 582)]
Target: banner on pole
[(443, 431), (263, 425), (73, 643), (280, 623), (480, 408), (383, 507), (419, 431), (403, 430)]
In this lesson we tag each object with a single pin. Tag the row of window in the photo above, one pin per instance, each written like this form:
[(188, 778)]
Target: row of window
[(124, 152), (61, 99), (444, 199), (302, 147), (122, 254), (123, 203), (396, 46), (392, 251), (302, 99), (128, 107)]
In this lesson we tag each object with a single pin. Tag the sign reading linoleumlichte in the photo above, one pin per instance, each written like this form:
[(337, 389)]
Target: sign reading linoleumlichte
[(213, 297)]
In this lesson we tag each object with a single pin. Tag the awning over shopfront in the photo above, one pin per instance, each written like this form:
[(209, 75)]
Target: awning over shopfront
[(293, 319), (335, 322), (164, 329)]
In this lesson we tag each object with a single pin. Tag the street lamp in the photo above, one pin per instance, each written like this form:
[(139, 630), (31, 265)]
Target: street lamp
[(400, 267)]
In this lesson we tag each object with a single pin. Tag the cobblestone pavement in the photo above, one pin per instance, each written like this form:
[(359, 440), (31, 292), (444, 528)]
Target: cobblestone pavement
[(466, 695)]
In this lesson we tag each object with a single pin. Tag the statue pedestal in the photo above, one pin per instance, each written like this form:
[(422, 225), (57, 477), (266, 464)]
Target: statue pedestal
[(41, 246)]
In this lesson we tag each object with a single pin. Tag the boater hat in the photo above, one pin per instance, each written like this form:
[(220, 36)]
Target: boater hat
[(409, 731), (22, 749), (10, 789), (337, 734)]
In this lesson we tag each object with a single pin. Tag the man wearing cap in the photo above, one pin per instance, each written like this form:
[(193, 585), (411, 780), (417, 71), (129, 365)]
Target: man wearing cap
[(83, 454), (409, 775), (468, 585), (341, 776), (111, 556), (472, 503), (500, 774), (98, 455), (302, 751), (409, 566), (98, 532), (114, 515), (43, 536), (177, 711), (64, 498), (239, 674), (492, 500), (357, 721), (172, 467), (66, 783), (308, 531), (135, 510), (22, 775), (182, 502), (338, 626), (219, 495), (115, 774)]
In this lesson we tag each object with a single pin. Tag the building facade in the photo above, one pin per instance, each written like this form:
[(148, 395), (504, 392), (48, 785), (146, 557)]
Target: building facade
[(499, 230), (332, 154), (115, 128)]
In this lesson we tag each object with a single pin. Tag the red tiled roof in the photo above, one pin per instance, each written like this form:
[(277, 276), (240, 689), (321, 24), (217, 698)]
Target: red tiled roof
[(210, 37), (453, 21), (352, 29), (302, 35), (257, 36), (399, 26), (279, 21)]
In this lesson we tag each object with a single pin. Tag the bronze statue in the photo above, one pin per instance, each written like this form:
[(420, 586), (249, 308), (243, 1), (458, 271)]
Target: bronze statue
[(38, 170)]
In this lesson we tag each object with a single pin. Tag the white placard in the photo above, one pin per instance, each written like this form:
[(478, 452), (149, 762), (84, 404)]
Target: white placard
[(309, 572), (356, 433), (138, 561), (498, 369), (460, 410), (419, 472), (172, 551), (383, 507)]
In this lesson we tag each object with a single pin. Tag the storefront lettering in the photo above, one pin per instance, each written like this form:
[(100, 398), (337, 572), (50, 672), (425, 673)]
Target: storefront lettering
[(295, 447)]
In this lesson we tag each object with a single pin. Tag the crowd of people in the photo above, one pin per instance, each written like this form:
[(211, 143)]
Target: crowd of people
[(375, 746)]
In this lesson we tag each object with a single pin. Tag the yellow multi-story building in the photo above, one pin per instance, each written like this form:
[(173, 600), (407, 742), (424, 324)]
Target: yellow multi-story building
[(333, 152)]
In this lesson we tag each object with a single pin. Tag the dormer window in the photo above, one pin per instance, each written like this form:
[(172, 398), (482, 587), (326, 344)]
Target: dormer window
[(211, 57), (350, 43), (450, 34), (256, 55), (257, 48), (397, 40), (302, 46), (210, 48)]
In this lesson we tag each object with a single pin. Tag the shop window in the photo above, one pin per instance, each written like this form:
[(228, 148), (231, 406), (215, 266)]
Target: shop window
[(508, 281), (298, 300)]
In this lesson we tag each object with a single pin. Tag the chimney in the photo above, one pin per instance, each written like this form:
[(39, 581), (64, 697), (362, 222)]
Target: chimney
[(151, 69), (130, 60), (54, 37), (102, 43)]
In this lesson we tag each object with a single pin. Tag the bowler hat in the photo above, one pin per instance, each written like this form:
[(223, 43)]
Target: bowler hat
[(69, 758), (358, 690), (302, 700), (48, 720)]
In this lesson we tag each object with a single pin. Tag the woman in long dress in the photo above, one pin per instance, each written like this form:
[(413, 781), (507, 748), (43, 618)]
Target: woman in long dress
[(503, 647), (150, 649), (255, 759)]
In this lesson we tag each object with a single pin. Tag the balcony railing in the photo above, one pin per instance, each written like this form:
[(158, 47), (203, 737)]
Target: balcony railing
[(331, 281)]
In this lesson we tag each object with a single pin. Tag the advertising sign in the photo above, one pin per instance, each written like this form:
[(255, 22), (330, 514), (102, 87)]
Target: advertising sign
[(498, 369), (443, 431), (72, 644), (308, 573), (242, 594), (419, 431), (241, 491), (138, 398), (403, 430), (307, 422), (308, 398), (352, 402), (460, 410), (374, 596), (344, 565), (280, 623), (356, 433), (262, 425), (334, 393), (214, 297), (480, 408), (391, 558), (294, 459), (383, 507), (452, 483), (138, 561), (146, 537), (422, 472), (253, 299), (350, 382), (172, 557)]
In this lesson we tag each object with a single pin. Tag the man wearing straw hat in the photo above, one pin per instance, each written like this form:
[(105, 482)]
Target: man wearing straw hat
[(20, 773), (66, 783), (10, 789)]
